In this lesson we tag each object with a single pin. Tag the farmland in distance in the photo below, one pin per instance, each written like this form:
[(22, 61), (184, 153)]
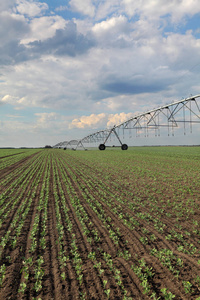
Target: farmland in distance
[(100, 224)]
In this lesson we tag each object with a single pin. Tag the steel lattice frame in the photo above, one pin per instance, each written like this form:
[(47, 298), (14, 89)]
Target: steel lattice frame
[(168, 111), (165, 116)]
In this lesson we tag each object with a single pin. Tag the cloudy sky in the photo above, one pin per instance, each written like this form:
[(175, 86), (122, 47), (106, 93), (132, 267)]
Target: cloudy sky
[(69, 68)]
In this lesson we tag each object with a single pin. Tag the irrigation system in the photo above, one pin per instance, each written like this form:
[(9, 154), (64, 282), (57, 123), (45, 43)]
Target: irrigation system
[(185, 111)]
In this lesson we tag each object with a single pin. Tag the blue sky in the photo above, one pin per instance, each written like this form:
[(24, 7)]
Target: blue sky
[(68, 68)]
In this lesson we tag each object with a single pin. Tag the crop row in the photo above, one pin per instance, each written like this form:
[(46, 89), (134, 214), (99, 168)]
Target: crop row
[(90, 185), (79, 225)]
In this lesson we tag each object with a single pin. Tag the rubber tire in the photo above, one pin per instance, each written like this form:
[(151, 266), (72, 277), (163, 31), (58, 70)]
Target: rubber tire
[(102, 147), (124, 147)]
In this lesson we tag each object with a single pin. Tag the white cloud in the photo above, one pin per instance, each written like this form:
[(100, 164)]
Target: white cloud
[(17, 102), (46, 121), (116, 119), (84, 7), (9, 99), (51, 121), (31, 8), (84, 26), (184, 7), (100, 120), (62, 8), (47, 117), (148, 8), (5, 5), (115, 32), (18, 132), (106, 79), (114, 25), (93, 121), (13, 126), (117, 103), (178, 47), (42, 28), (106, 8), (154, 9), (12, 27)]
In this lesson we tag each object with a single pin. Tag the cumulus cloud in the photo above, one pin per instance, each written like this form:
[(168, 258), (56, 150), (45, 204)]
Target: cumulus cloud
[(42, 28), (46, 121), (46, 117), (177, 48), (107, 79), (106, 8), (115, 119), (31, 8), (113, 24), (99, 120), (12, 28), (13, 53), (154, 9), (9, 99), (18, 103), (93, 121), (85, 7), (53, 122), (5, 5), (66, 41), (118, 103), (114, 32)]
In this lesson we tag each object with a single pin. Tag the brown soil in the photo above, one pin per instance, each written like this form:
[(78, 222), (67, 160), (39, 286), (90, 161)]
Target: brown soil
[(88, 188)]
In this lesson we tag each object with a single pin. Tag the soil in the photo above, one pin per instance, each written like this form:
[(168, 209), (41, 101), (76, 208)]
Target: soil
[(87, 182)]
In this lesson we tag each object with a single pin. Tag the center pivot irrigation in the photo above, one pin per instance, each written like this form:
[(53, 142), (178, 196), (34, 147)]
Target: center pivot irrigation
[(123, 146), (185, 111)]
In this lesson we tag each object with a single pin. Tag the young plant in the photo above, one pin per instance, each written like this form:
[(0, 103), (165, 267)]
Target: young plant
[(187, 286), (167, 295)]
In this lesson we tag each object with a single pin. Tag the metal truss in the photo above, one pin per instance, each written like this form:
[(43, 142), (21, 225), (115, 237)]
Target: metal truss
[(166, 116), (69, 144), (185, 111), (76, 144), (61, 144), (96, 136)]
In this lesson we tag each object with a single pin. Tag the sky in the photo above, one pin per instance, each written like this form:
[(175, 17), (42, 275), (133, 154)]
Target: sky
[(70, 68)]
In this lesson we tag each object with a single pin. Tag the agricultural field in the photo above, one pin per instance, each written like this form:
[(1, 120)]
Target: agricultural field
[(100, 224)]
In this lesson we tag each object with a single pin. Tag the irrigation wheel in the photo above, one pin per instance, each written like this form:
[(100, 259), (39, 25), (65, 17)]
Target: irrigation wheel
[(102, 147), (124, 147)]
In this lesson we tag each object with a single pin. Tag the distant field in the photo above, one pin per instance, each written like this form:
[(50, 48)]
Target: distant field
[(100, 224)]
